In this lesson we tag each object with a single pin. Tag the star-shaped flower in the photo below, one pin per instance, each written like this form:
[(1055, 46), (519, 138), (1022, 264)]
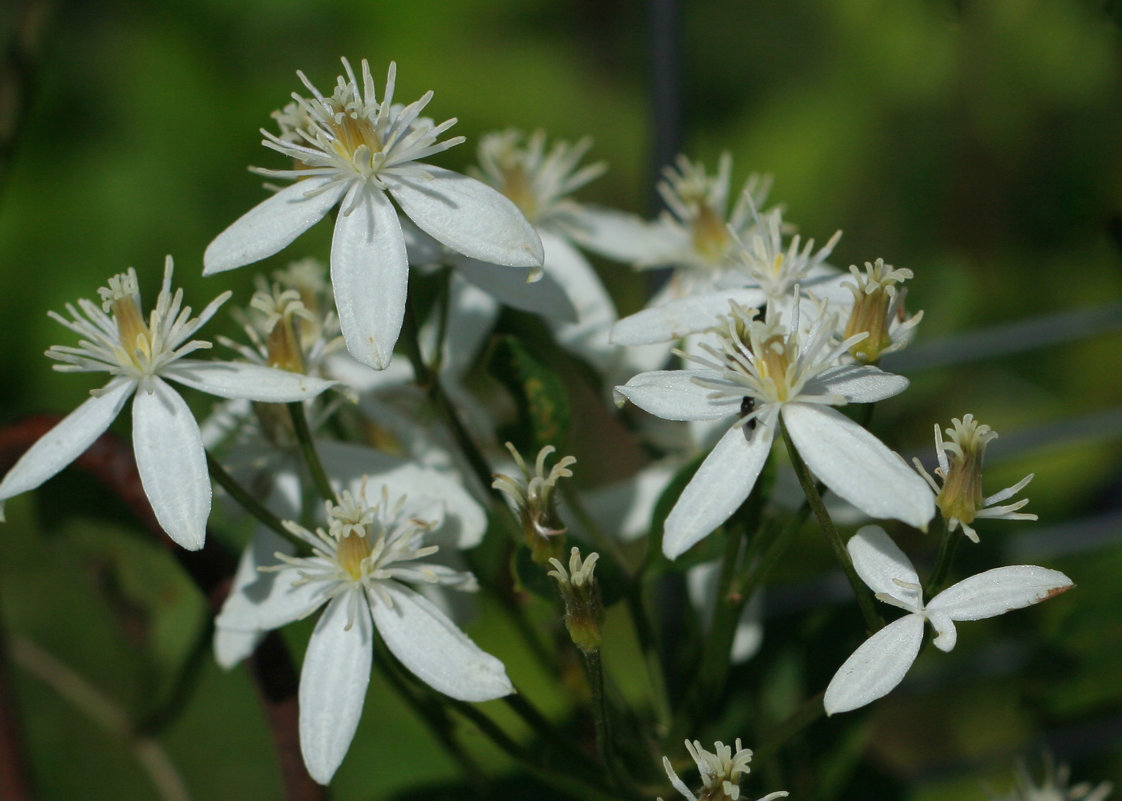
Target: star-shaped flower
[(139, 356), (762, 373), (361, 567), (880, 663), (353, 151)]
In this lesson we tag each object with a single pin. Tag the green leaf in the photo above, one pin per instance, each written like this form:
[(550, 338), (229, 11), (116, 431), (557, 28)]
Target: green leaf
[(543, 405)]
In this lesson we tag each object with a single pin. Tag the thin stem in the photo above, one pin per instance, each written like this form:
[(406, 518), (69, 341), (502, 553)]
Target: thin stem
[(873, 620), (810, 711), (565, 782), (105, 712), (435, 717), (543, 727), (594, 672), (249, 503), (308, 450), (947, 547)]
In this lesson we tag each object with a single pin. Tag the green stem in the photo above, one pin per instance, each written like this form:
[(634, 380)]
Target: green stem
[(947, 547), (810, 711), (566, 782), (251, 504), (594, 672), (308, 450), (435, 717), (873, 620)]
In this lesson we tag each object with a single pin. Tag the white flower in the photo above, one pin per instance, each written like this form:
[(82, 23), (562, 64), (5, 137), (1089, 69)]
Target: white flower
[(361, 566), (721, 772), (880, 663), (761, 273), (1055, 787), (761, 373), (960, 497), (139, 356), (354, 151)]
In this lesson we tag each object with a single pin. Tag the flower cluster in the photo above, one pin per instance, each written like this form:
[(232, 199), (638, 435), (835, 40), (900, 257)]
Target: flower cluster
[(359, 483)]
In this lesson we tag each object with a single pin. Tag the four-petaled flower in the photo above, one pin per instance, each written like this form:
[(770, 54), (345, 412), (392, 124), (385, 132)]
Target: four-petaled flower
[(762, 373), (353, 151), (880, 663), (139, 356), (361, 566)]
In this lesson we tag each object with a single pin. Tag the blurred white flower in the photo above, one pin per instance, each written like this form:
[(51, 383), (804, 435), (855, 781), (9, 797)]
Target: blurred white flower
[(880, 663), (353, 151), (139, 356), (1055, 786)]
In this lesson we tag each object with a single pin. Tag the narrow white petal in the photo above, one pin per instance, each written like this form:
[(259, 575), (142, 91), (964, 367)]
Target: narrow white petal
[(858, 466), (859, 384), (232, 647), (880, 563), (271, 225), (580, 282), (465, 521), (370, 275), (333, 684), (678, 318), (874, 669), (269, 599), (512, 286), (467, 216), (434, 649), (999, 590), (719, 486), (67, 440), (621, 236), (244, 380), (674, 395), (172, 463)]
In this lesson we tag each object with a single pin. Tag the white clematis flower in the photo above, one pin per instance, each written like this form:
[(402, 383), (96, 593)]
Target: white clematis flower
[(139, 356), (880, 663), (761, 373), (356, 152), (361, 567), (721, 772)]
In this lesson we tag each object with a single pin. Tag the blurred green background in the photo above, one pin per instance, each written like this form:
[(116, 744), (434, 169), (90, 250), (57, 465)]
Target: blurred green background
[(977, 143)]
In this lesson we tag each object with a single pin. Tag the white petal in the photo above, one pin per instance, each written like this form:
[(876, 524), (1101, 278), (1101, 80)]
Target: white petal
[(434, 649), (244, 380), (465, 521), (260, 601), (674, 395), (68, 440), (947, 635), (874, 669), (621, 236), (467, 216), (859, 384), (719, 486), (857, 466), (232, 647), (333, 684), (369, 275), (271, 225), (581, 283), (172, 463), (678, 318), (880, 563), (512, 286), (996, 591)]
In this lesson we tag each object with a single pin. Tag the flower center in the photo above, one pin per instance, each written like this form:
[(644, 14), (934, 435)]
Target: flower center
[(353, 550), (961, 495), (122, 299), (710, 236), (520, 189)]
